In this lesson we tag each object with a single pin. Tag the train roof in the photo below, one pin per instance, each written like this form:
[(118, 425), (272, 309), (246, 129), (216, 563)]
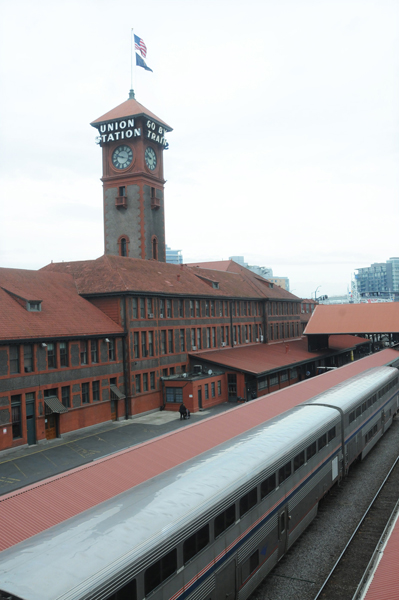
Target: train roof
[(347, 394), (111, 536)]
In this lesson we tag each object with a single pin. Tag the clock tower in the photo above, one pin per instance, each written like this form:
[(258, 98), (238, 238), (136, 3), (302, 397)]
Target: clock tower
[(133, 140)]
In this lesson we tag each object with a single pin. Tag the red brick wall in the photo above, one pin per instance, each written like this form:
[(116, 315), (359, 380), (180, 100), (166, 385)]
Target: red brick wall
[(109, 306)]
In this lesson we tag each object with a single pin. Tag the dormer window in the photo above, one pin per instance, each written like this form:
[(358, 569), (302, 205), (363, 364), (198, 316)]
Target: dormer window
[(34, 306)]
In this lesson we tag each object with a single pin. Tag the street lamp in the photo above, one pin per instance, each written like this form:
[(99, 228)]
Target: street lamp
[(316, 292)]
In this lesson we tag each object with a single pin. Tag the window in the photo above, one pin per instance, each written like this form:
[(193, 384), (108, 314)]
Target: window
[(273, 380), (192, 338), (134, 306), (123, 244), (111, 349), (224, 520), (213, 337), (213, 389), (180, 308), (284, 472), (95, 388), (65, 396), (191, 308), (219, 388), (51, 356), (142, 308), (163, 341), (14, 359), (195, 543), (322, 441), (206, 308), (160, 571), (85, 393), (143, 343), (145, 382), (208, 337), (206, 391), (161, 309), (94, 351), (212, 308), (16, 417), (149, 307), (150, 343), (284, 376), (170, 341), (227, 335), (174, 394), (136, 351), (152, 380), (28, 358), (127, 592), (239, 334), (138, 383), (63, 354), (197, 308), (331, 434), (299, 460), (199, 339), (169, 308), (248, 501), (310, 451), (182, 340), (249, 566), (83, 352), (267, 486), (154, 248)]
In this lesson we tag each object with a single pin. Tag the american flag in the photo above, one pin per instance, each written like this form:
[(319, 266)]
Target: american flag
[(140, 45)]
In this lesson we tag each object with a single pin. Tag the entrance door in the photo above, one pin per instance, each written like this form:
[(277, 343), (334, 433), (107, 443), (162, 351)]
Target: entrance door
[(199, 398), (51, 426), (282, 532), (232, 386), (30, 423), (225, 588), (113, 410)]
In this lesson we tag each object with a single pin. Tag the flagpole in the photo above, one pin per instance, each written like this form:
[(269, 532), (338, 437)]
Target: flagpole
[(131, 93)]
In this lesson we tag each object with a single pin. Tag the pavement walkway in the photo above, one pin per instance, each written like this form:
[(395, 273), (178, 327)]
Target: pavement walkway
[(24, 466)]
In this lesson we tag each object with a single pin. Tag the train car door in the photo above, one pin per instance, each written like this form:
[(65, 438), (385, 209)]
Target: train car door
[(282, 532), (225, 582)]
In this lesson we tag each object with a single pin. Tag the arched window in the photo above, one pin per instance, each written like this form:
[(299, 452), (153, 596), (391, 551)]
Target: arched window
[(123, 244), (155, 247)]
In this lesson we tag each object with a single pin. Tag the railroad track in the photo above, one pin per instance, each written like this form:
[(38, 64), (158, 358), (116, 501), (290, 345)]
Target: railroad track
[(345, 576)]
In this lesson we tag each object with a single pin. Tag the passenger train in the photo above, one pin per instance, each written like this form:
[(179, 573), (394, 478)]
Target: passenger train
[(213, 527)]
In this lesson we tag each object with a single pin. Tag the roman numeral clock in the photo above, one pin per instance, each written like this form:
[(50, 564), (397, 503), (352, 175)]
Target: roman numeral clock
[(133, 140)]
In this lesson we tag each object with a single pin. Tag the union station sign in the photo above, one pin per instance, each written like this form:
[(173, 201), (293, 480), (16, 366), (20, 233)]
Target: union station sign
[(124, 129)]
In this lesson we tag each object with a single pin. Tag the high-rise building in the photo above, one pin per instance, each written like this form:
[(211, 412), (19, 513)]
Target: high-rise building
[(379, 280)]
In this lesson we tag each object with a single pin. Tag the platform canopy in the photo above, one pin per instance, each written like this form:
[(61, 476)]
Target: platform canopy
[(354, 319)]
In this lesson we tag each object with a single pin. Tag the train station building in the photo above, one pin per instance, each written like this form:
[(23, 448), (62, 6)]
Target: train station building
[(89, 341)]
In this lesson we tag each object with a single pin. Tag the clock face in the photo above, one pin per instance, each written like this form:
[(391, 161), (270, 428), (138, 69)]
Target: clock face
[(150, 158), (122, 157)]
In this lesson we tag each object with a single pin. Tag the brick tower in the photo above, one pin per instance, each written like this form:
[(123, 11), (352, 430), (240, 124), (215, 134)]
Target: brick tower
[(133, 140)]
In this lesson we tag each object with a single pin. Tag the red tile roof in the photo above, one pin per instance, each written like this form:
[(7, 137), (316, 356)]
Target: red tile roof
[(63, 312), (354, 318), (129, 108), (259, 358), (120, 274), (36, 508)]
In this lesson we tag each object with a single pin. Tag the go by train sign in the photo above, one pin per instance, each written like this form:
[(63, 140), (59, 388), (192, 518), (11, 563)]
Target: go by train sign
[(125, 129)]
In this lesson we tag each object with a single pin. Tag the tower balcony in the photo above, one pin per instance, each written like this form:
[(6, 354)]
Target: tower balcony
[(121, 201), (155, 203)]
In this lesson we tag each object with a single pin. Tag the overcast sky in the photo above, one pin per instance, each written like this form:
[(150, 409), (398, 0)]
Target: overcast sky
[(285, 129)]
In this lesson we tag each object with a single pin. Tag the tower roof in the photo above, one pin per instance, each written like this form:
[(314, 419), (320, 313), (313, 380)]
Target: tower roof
[(129, 108)]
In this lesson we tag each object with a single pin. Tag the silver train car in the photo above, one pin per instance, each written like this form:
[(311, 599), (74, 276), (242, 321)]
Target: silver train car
[(213, 527)]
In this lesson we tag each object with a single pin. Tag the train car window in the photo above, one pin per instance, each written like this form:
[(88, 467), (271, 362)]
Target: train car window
[(267, 486), (374, 398), (331, 434), (224, 520), (249, 566), (299, 460), (322, 441), (128, 592), (358, 411), (351, 417), (284, 472), (248, 501), (310, 450), (364, 407), (369, 402), (195, 543), (159, 571)]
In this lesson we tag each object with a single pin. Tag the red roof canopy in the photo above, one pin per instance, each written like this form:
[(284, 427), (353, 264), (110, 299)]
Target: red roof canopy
[(381, 317)]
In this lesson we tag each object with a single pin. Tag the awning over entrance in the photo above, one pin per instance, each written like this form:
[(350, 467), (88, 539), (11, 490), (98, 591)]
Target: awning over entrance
[(117, 392), (55, 405)]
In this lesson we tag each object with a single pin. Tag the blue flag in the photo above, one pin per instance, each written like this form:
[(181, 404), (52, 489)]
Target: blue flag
[(141, 63)]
